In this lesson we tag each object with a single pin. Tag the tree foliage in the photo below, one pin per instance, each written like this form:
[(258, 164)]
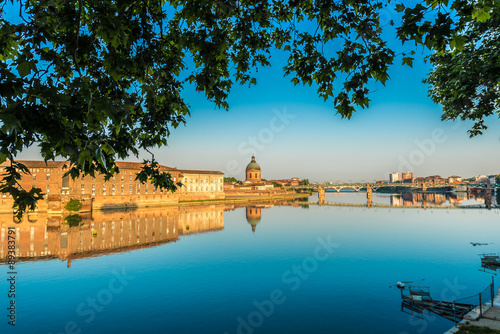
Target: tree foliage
[(465, 38), (73, 205), (95, 81), (230, 179)]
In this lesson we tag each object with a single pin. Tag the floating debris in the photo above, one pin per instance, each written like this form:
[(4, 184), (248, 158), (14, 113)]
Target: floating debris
[(481, 243), (401, 284)]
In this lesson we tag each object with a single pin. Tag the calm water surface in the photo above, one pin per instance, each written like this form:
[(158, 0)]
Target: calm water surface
[(260, 269)]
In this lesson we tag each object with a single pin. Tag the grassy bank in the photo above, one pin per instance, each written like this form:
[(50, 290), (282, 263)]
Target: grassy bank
[(476, 330)]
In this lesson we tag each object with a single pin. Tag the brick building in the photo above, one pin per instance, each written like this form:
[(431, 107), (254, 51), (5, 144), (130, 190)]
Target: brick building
[(121, 190)]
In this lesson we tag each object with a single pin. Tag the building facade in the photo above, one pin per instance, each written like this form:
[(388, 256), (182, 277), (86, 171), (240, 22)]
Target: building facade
[(198, 184), (121, 190), (394, 177)]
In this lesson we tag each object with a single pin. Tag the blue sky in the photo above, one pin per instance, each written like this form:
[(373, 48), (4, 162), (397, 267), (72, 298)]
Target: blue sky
[(294, 133)]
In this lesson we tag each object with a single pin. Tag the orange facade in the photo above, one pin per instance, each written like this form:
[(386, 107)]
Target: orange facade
[(122, 190)]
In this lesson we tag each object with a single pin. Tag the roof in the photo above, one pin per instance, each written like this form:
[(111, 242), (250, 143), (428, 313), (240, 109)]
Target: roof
[(36, 163), (138, 165), (188, 171), (253, 165)]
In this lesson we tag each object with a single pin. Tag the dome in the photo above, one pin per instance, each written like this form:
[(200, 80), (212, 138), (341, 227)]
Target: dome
[(253, 165)]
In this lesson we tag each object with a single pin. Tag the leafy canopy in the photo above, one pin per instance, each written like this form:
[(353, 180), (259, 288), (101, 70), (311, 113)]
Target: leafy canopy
[(95, 81), (73, 205)]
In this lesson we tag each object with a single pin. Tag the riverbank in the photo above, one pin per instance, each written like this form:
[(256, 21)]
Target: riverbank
[(245, 199), (472, 323)]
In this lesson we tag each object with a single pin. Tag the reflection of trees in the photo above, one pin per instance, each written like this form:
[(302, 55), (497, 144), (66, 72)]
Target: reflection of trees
[(73, 220)]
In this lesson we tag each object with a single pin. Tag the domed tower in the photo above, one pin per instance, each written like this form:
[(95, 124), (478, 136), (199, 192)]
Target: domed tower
[(253, 171), (253, 216)]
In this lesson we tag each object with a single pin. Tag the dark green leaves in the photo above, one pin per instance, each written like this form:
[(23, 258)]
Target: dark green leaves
[(159, 179), (23, 200)]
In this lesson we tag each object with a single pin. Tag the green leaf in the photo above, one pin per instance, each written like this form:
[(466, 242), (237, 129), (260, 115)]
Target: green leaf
[(24, 68), (481, 15), (408, 61), (458, 42)]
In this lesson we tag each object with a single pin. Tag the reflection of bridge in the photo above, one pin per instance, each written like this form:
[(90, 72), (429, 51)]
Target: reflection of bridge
[(360, 186), (400, 200)]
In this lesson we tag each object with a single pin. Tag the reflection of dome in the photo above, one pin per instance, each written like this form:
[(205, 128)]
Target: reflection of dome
[(253, 165), (253, 216)]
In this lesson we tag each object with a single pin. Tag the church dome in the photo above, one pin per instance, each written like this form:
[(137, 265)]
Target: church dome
[(253, 165)]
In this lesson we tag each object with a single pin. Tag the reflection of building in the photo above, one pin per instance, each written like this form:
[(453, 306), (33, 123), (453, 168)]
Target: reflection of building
[(203, 218), (253, 215), (119, 191), (396, 200), (42, 236)]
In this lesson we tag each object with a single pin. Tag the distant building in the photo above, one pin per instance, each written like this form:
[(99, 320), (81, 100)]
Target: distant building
[(253, 180), (202, 184), (480, 178), (394, 177), (454, 179), (253, 172), (407, 177)]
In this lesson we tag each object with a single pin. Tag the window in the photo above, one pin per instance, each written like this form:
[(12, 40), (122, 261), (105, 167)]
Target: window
[(114, 190), (146, 189), (93, 190), (123, 189), (83, 189), (131, 177), (34, 177), (65, 182), (130, 189), (138, 189), (47, 177), (122, 177), (47, 192), (104, 190)]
